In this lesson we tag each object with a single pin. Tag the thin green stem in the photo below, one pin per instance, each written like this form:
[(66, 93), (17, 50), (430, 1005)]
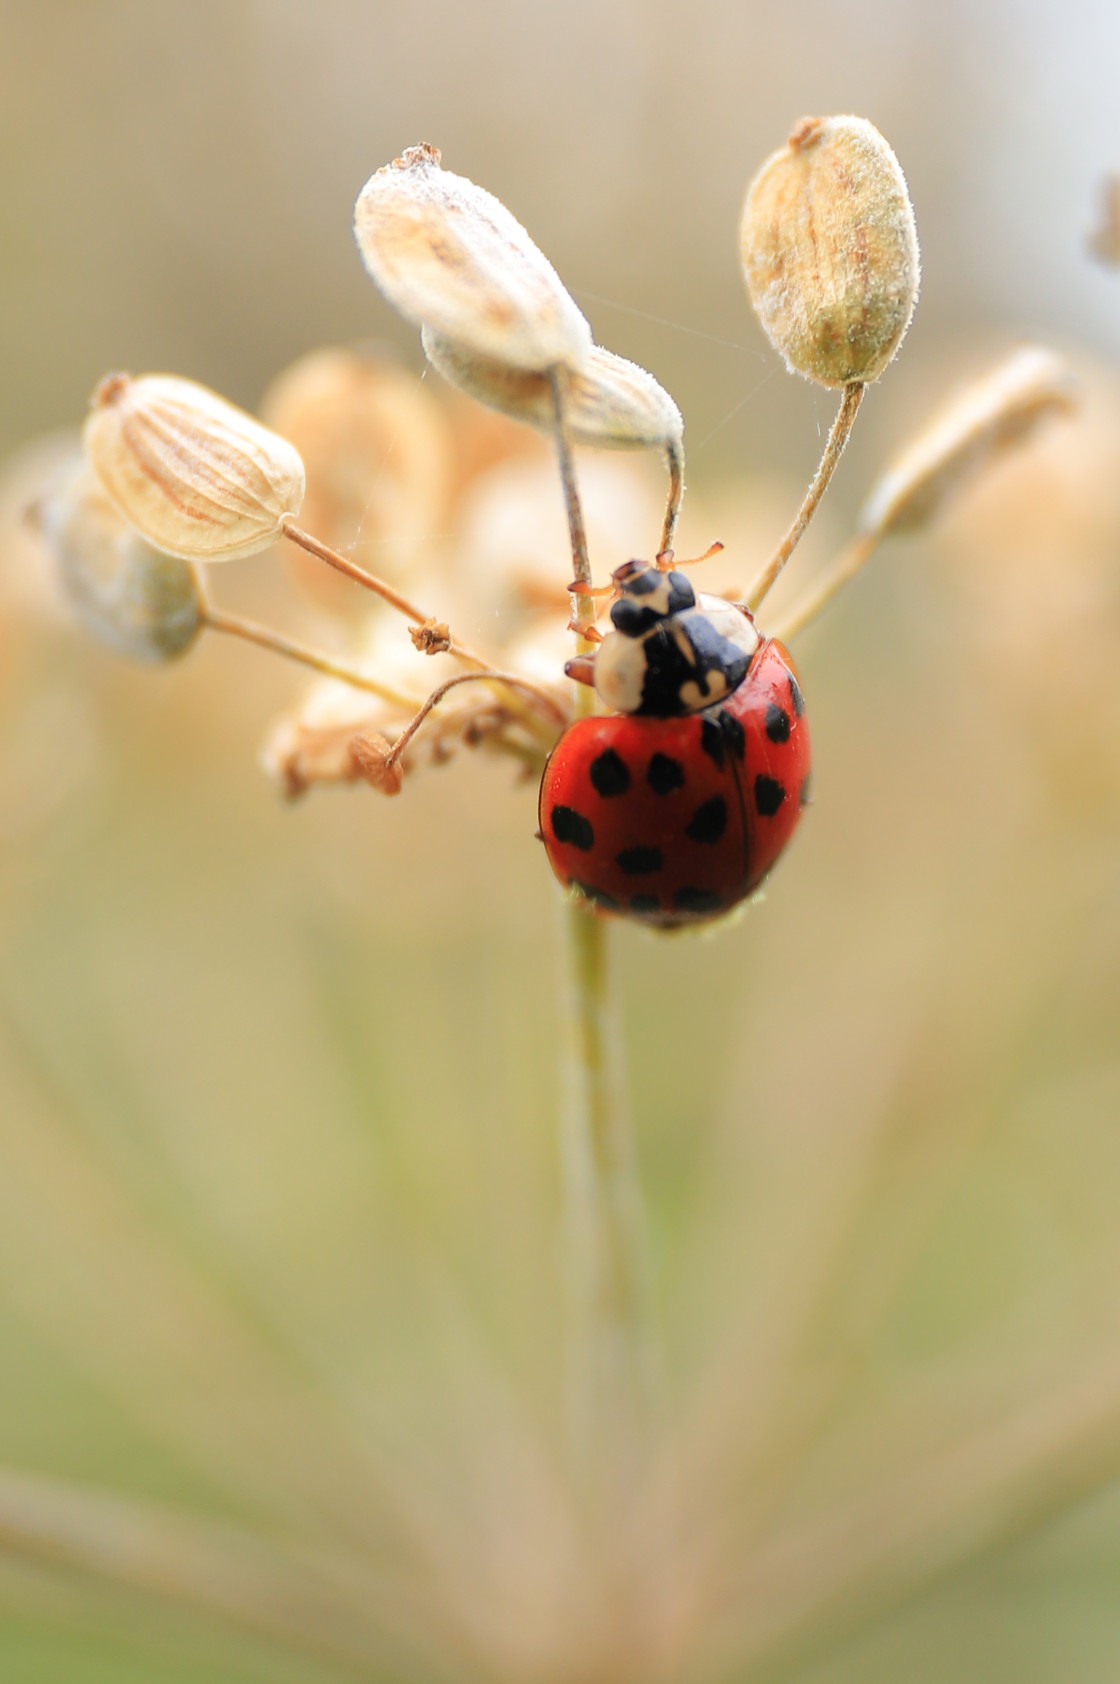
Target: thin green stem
[(610, 1368)]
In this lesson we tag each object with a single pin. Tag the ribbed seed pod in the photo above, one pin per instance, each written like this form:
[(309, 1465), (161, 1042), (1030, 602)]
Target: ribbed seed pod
[(140, 602), (450, 256), (830, 250), (610, 402), (195, 475), (989, 416)]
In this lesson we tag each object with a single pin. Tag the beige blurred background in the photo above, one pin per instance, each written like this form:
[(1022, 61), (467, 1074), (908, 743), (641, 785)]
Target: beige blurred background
[(279, 1191)]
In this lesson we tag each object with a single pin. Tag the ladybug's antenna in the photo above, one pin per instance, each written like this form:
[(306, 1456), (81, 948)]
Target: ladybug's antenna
[(666, 560)]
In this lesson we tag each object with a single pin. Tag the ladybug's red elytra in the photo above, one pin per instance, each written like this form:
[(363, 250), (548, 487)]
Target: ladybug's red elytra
[(674, 808)]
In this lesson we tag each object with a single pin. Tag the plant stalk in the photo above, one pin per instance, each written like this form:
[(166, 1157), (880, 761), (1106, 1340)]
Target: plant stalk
[(610, 1367), (838, 437)]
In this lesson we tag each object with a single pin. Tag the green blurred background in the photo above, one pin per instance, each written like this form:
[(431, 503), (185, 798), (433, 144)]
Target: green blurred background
[(279, 1189)]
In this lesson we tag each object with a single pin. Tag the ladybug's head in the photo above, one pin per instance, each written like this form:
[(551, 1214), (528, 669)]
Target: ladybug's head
[(647, 595), (669, 654)]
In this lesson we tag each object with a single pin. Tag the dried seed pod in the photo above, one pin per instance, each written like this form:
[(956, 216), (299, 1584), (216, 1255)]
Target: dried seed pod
[(610, 402), (369, 752), (989, 416), (450, 256), (195, 475), (142, 603), (830, 250)]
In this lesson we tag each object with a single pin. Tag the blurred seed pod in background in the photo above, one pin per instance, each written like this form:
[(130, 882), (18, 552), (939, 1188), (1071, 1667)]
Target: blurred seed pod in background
[(378, 452), (139, 601)]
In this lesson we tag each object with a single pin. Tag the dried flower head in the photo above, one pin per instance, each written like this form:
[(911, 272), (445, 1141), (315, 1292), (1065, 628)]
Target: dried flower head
[(830, 250), (451, 257), (195, 475), (610, 402), (378, 451), (987, 417), (140, 602)]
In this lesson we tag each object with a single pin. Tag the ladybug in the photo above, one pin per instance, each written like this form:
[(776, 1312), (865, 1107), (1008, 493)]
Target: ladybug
[(672, 809)]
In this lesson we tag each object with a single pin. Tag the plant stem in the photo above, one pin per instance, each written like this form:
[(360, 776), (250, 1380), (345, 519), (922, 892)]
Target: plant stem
[(674, 457), (583, 605), (834, 448), (509, 679), (610, 1366), (351, 570), (844, 567)]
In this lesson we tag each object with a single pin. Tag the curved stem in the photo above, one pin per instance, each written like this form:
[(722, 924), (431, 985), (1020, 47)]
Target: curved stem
[(834, 448), (674, 456), (541, 697), (610, 1361), (265, 638)]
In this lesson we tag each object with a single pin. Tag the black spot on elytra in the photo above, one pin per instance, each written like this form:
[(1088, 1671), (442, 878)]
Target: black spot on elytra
[(597, 897), (711, 739), (609, 773), (570, 826), (777, 723), (768, 795), (697, 900), (664, 774), (639, 862), (709, 821), (796, 697), (733, 731), (806, 791), (645, 903)]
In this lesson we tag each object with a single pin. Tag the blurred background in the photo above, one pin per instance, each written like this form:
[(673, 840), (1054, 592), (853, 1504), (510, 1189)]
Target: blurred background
[(280, 1204)]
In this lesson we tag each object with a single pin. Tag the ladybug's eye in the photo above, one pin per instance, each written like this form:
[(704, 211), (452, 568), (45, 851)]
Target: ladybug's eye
[(633, 619)]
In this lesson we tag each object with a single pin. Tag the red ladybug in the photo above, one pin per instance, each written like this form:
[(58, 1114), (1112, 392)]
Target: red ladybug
[(673, 809)]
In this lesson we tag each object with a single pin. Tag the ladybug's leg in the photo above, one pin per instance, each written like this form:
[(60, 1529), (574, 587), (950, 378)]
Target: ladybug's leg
[(581, 668)]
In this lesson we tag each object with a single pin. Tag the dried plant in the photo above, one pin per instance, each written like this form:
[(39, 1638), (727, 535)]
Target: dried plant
[(661, 1542)]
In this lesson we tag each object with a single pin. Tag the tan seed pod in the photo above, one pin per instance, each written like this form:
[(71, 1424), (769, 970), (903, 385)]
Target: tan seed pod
[(989, 416), (140, 602), (830, 250), (610, 402), (196, 476), (450, 256)]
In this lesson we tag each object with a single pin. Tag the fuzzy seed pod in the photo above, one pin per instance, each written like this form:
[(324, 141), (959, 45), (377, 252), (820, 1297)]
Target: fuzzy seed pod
[(196, 476), (830, 250), (450, 256), (610, 402), (140, 602), (989, 416)]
